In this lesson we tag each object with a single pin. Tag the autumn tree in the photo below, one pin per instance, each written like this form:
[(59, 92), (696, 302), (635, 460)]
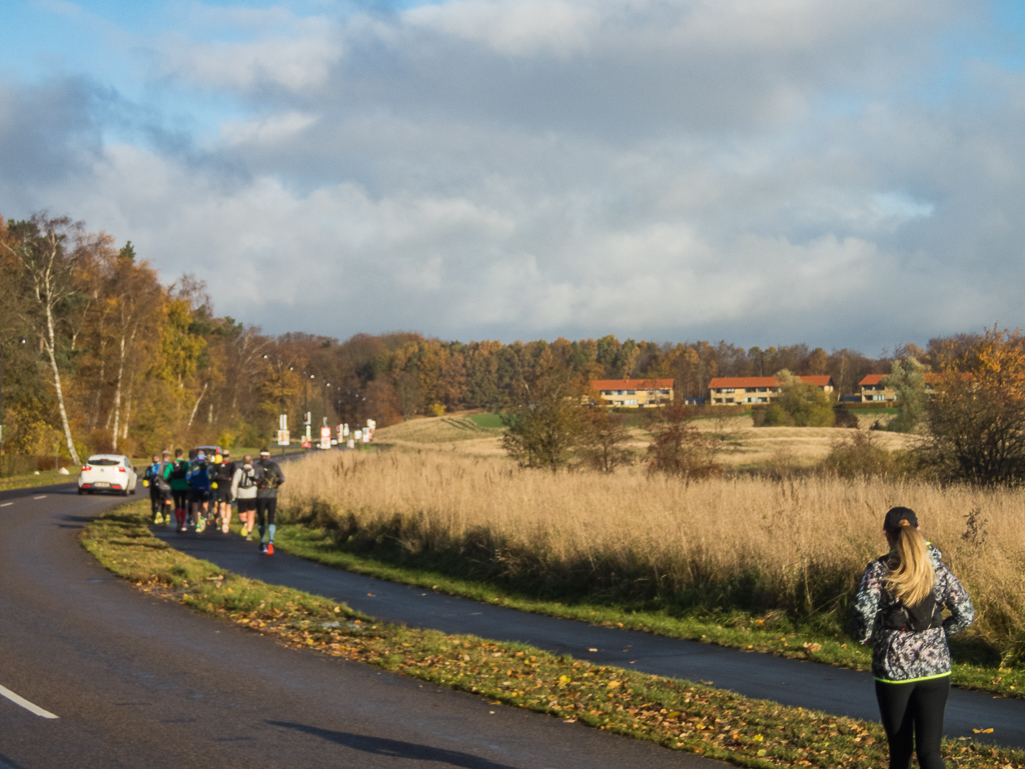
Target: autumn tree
[(545, 428), (45, 249), (137, 300), (678, 448), (602, 442), (977, 416)]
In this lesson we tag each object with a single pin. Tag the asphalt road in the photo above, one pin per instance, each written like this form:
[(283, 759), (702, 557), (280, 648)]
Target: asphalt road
[(789, 682), (137, 682)]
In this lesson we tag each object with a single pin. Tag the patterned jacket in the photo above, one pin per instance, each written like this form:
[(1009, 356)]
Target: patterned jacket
[(901, 656)]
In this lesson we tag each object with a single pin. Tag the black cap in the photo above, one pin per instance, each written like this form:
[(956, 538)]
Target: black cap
[(900, 516)]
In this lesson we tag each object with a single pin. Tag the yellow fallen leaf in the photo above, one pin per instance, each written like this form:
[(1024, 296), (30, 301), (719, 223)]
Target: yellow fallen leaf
[(983, 731)]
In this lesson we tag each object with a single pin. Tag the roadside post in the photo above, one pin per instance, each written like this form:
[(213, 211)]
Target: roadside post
[(283, 436)]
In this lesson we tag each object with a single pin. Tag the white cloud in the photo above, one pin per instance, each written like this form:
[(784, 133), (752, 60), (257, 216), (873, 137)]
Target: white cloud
[(517, 27), (492, 168), (272, 129), (298, 60)]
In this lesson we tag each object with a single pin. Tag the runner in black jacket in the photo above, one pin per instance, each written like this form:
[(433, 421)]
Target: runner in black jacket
[(899, 607), (268, 478)]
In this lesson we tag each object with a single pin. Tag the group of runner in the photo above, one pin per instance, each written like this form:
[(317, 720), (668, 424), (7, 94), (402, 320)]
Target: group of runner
[(201, 490)]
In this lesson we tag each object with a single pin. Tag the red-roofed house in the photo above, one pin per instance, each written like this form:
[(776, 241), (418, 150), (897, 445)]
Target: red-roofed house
[(872, 388), (735, 390), (634, 393)]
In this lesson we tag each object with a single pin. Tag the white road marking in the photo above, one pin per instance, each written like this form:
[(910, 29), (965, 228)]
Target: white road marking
[(25, 703), (43, 496), (6, 504)]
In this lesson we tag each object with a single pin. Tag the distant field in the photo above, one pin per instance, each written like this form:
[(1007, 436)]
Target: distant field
[(481, 435), (488, 420), (463, 434)]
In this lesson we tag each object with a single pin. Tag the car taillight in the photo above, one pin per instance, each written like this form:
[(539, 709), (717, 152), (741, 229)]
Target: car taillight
[(86, 469), (121, 470)]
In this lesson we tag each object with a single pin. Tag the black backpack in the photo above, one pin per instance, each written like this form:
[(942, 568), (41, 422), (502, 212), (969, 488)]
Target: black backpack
[(267, 476), (924, 615), (179, 471)]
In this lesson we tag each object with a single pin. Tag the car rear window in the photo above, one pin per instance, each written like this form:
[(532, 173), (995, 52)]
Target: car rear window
[(101, 462)]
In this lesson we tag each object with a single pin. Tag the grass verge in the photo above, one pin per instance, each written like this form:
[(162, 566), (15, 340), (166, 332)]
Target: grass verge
[(45, 478), (771, 633), (676, 714)]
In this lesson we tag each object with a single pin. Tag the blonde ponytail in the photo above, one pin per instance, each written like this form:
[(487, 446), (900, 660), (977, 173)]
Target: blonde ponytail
[(911, 576)]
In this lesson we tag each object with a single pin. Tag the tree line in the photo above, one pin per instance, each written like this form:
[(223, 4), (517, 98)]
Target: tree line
[(98, 354)]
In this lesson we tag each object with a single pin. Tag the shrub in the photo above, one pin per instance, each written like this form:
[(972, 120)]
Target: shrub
[(678, 448), (844, 418), (602, 439), (855, 455)]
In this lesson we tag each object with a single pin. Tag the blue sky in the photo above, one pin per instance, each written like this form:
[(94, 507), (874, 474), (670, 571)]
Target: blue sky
[(761, 171)]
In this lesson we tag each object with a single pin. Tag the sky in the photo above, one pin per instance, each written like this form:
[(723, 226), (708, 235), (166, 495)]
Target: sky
[(844, 173)]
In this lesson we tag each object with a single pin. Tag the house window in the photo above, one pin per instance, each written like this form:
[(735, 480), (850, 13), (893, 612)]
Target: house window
[(726, 390)]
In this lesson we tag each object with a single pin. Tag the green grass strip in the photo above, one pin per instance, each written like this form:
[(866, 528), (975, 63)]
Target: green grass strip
[(45, 478), (673, 713), (772, 634)]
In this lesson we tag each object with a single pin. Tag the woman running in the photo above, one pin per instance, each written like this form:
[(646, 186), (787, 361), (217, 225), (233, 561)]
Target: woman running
[(900, 607)]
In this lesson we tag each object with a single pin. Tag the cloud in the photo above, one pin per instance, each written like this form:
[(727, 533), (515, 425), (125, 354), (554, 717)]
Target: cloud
[(522, 27), (296, 58), (502, 168), (47, 132), (270, 130)]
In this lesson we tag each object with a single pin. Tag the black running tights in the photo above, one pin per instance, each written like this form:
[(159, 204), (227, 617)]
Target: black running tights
[(265, 509), (912, 715)]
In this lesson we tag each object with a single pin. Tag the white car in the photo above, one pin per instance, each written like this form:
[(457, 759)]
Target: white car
[(108, 472)]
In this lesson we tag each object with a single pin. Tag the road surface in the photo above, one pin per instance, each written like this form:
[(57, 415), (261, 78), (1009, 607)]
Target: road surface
[(97, 674)]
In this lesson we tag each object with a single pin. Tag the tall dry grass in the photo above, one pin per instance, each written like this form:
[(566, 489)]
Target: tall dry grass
[(795, 545)]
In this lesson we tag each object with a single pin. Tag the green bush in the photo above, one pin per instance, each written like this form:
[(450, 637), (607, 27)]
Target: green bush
[(798, 405)]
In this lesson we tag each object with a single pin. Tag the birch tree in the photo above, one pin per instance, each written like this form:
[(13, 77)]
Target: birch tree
[(137, 309), (48, 268)]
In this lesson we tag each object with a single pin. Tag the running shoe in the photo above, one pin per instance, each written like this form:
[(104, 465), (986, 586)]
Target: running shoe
[(270, 548), (249, 537), (224, 529), (200, 526), (263, 548)]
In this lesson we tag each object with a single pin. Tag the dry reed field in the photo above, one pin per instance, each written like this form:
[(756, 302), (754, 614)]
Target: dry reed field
[(796, 546)]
